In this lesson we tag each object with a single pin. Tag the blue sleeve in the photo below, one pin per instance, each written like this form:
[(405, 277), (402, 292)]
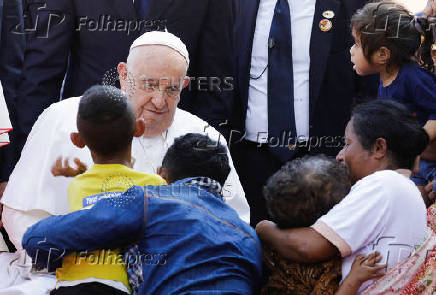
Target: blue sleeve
[(113, 222), (423, 86)]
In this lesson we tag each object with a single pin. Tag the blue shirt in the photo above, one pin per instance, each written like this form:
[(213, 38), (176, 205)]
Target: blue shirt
[(191, 242), (414, 87)]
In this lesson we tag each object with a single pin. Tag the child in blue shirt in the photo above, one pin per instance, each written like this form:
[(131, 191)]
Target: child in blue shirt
[(391, 42)]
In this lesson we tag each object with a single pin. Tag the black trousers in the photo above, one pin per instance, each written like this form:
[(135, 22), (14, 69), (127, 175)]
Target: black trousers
[(88, 289), (255, 164)]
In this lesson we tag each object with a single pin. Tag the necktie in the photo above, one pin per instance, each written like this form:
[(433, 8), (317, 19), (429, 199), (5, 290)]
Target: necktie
[(141, 7), (281, 118)]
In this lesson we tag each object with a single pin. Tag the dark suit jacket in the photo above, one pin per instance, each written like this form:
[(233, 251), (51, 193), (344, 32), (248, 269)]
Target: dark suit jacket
[(62, 45), (333, 84), (11, 57)]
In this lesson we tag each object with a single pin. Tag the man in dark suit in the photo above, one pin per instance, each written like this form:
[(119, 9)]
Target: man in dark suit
[(83, 41), (11, 58), (295, 86)]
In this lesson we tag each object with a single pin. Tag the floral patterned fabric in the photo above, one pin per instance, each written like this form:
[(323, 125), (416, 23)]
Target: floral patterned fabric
[(431, 217), (298, 279), (417, 275)]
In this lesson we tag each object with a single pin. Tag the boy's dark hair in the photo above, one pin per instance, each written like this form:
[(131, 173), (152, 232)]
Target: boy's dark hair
[(391, 25), (390, 120), (194, 155), (105, 120), (305, 189)]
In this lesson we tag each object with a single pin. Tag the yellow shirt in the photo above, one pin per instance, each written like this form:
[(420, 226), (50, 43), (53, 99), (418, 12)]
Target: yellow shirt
[(100, 178)]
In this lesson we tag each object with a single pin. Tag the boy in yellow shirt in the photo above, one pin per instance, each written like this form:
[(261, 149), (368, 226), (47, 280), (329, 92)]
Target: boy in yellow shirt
[(106, 124)]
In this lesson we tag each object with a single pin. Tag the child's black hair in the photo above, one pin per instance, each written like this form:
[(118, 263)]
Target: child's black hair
[(194, 155), (105, 120), (305, 189), (391, 25)]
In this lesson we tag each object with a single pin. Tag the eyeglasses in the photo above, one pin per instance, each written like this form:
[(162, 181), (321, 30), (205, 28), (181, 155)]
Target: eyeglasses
[(171, 91), (166, 85)]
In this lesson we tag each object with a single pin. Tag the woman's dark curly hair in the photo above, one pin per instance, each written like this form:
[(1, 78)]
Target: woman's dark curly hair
[(305, 189)]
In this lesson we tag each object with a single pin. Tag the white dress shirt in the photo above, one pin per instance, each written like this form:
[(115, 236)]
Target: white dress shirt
[(302, 14)]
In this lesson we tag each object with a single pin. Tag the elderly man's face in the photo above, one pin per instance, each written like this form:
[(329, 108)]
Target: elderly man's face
[(354, 155), (152, 79)]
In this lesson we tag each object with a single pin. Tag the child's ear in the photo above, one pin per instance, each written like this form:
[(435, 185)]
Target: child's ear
[(77, 140), (163, 172), (382, 56), (139, 127)]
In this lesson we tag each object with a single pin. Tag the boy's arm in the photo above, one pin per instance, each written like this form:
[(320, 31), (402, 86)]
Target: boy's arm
[(111, 223)]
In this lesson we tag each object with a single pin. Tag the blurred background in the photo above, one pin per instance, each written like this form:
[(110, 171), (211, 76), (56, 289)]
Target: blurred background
[(414, 6)]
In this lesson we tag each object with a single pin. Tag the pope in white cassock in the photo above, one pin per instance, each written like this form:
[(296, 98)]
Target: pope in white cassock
[(152, 78)]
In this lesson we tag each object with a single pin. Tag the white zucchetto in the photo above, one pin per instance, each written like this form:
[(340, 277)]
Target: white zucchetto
[(162, 38)]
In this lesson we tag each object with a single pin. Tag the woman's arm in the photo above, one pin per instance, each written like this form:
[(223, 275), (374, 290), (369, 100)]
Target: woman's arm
[(303, 245)]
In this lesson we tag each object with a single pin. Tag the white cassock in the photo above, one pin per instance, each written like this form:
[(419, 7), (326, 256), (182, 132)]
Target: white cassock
[(34, 193)]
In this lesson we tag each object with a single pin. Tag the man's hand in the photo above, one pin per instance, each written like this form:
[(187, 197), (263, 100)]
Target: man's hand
[(430, 9), (2, 189), (59, 169)]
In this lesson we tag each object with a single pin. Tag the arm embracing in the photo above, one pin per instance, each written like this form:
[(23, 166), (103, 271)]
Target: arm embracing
[(112, 222), (303, 245)]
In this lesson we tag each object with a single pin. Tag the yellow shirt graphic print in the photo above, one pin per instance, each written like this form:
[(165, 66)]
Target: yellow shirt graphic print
[(84, 191)]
